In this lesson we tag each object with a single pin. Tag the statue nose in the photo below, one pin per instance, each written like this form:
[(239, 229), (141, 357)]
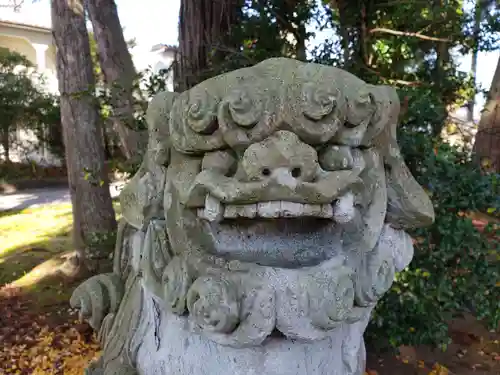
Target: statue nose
[(284, 176), (282, 158)]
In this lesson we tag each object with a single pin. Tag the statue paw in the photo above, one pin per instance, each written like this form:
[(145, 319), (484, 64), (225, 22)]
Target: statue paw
[(96, 297)]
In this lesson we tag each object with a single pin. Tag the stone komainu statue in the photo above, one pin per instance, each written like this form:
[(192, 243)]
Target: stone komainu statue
[(267, 219)]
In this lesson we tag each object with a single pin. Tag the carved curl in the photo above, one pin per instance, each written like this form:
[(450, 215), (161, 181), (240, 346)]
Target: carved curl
[(244, 109), (96, 297), (334, 302), (201, 112), (318, 101), (213, 304), (360, 110), (315, 110), (241, 116)]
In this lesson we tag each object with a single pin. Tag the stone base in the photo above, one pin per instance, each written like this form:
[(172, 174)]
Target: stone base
[(174, 350)]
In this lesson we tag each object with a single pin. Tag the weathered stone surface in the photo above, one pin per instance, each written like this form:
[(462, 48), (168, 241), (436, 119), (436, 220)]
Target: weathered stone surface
[(266, 221)]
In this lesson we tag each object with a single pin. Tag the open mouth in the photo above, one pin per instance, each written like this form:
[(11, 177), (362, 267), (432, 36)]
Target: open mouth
[(276, 233)]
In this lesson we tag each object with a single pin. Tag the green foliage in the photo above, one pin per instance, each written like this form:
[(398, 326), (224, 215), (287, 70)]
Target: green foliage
[(24, 103), (451, 257), (146, 85)]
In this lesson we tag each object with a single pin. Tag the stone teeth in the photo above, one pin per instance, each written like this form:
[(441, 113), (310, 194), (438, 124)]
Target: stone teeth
[(326, 211), (249, 210), (269, 209), (213, 209), (312, 210), (201, 213), (241, 210), (291, 209), (231, 212)]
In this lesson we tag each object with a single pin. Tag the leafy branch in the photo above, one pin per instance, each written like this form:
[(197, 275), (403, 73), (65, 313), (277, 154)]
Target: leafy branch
[(407, 33)]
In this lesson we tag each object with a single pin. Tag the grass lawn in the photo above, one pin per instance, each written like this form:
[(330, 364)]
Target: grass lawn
[(39, 332)]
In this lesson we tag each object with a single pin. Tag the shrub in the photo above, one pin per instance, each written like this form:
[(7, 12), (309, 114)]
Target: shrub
[(456, 266)]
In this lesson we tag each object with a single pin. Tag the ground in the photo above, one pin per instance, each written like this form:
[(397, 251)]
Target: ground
[(40, 334)]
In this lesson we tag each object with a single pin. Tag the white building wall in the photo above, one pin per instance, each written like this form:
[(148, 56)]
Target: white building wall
[(24, 33), (36, 44)]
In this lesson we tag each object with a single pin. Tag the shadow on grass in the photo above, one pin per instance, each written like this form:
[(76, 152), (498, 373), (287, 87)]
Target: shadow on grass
[(36, 253), (19, 261), (9, 212)]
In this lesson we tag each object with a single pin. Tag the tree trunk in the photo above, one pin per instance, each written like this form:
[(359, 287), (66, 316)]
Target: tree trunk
[(343, 30), (478, 16), (119, 73), (94, 222), (487, 144), (6, 145), (204, 38), (301, 50)]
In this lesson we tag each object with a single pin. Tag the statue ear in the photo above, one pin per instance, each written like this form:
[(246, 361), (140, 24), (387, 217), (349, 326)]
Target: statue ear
[(158, 119), (408, 206), (144, 192)]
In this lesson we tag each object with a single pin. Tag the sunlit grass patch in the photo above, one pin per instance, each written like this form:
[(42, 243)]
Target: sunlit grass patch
[(39, 226), (34, 243)]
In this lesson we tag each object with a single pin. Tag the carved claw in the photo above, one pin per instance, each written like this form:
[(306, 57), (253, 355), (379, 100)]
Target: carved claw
[(98, 368), (120, 370), (331, 299), (96, 297), (213, 304)]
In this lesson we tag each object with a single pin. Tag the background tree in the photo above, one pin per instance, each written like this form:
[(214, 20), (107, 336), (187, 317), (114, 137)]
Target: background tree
[(487, 144), (119, 74), (205, 40), (94, 221)]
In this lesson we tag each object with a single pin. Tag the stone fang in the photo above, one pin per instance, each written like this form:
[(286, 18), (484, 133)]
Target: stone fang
[(213, 209)]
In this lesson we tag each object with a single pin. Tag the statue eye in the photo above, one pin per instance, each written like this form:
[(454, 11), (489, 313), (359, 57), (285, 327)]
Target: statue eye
[(201, 113)]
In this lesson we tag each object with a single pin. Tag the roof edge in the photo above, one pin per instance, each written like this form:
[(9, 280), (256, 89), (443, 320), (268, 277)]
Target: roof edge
[(25, 26)]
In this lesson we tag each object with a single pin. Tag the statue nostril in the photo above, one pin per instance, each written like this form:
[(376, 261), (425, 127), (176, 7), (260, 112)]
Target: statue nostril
[(266, 172), (296, 172)]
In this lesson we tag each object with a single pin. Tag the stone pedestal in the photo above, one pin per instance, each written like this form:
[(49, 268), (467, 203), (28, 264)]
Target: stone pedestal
[(196, 355), (267, 219)]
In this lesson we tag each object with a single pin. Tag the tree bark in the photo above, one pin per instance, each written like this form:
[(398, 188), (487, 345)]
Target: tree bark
[(204, 38), (5, 145), (487, 144), (94, 223), (119, 73), (478, 16), (343, 29)]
